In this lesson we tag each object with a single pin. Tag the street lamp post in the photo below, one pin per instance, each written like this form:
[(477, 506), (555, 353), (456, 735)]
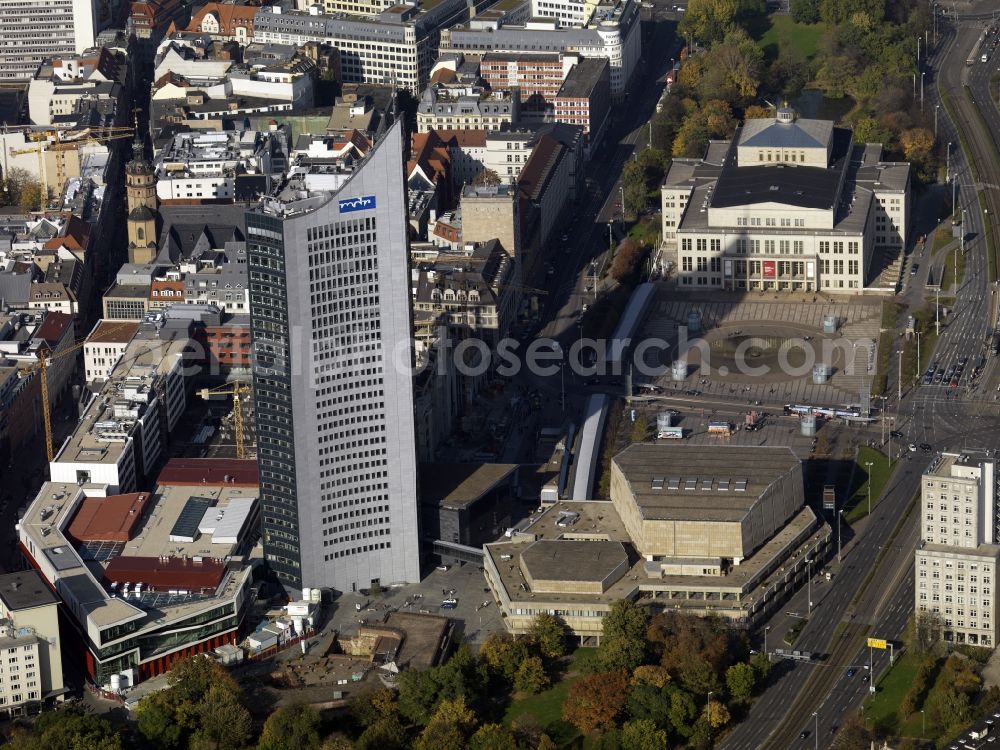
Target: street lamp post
[(899, 374), (766, 652), (840, 514), (922, 74), (868, 465), (917, 369), (809, 584), (937, 108), (923, 723), (937, 309), (709, 707), (621, 192), (562, 386), (816, 727), (947, 171)]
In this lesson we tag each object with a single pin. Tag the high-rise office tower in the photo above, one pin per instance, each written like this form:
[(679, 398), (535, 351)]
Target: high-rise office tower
[(31, 31), (331, 321)]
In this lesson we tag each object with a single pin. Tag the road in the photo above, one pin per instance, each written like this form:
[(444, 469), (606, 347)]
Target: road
[(816, 697)]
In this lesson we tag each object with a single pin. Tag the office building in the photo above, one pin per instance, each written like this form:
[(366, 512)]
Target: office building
[(30, 32), (29, 643), (788, 204), (958, 552), (147, 578), (612, 33), (333, 386)]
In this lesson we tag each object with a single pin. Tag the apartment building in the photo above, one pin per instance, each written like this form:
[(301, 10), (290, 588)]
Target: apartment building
[(787, 204), (444, 107), (104, 347), (30, 647), (67, 85)]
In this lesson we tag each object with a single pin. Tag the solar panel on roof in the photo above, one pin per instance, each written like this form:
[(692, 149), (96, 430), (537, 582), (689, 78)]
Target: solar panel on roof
[(741, 485), (674, 484), (185, 528)]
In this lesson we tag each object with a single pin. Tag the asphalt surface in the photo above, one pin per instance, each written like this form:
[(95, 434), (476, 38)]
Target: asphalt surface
[(815, 698)]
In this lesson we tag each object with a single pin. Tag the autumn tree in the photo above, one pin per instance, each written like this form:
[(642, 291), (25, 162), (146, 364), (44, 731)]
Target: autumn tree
[(708, 20), (643, 735), (292, 727), (372, 705), (595, 701), (530, 676), (804, 11), (918, 148), (757, 112), (549, 635), (337, 741), (733, 69), (68, 727), (502, 654), (222, 721), (716, 713), (493, 737), (626, 264), (647, 701), (450, 727), (651, 674)]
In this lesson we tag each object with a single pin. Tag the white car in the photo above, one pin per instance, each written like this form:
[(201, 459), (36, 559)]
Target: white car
[(913, 448), (443, 567)]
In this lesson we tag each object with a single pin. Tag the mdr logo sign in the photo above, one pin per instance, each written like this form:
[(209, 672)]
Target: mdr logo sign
[(362, 203)]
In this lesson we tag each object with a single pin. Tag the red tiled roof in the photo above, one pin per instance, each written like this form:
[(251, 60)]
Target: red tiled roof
[(189, 472), (109, 519), (166, 574)]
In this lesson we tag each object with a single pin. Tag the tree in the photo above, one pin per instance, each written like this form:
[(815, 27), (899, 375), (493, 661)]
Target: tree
[(449, 729), (370, 706), (549, 635), (716, 714), (502, 654), (16, 183), (708, 20), (32, 197), (869, 130), (757, 112), (697, 675), (732, 68), (595, 702), (493, 737), (853, 735), (68, 727), (642, 429), (804, 11), (643, 735), (531, 677), (223, 722), (634, 188), (386, 733), (293, 727), (418, 694), (155, 721), (337, 741), (627, 260), (651, 674), (646, 701), (683, 712), (623, 644), (741, 681), (486, 177)]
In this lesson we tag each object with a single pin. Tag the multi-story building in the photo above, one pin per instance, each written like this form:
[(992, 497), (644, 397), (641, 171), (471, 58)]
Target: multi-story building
[(218, 167), (105, 346), (396, 47), (63, 86), (225, 21), (333, 386), (537, 75), (584, 99), (148, 577), (611, 33), (29, 643), (787, 204), (123, 432), (31, 32), (444, 107), (573, 13), (958, 556)]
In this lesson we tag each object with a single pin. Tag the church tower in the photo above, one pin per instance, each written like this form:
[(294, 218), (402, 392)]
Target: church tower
[(140, 187)]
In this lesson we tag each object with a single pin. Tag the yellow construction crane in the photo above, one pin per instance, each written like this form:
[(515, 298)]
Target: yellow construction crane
[(53, 141), (237, 391)]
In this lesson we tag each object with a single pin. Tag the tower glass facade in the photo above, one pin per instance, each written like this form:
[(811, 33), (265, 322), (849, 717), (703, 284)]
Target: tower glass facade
[(330, 310)]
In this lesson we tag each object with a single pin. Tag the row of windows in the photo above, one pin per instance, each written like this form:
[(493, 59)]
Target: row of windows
[(357, 550)]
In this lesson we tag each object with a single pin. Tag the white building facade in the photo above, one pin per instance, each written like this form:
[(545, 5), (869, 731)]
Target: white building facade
[(789, 205)]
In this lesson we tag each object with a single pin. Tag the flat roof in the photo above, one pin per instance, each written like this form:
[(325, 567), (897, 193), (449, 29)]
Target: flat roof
[(113, 332), (454, 485), (570, 560), (165, 574), (25, 589), (424, 636), (583, 77), (792, 184), (109, 519), (692, 483), (231, 472)]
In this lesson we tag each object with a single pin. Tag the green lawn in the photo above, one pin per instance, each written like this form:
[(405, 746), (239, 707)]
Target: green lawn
[(546, 707), (857, 504), (942, 236), (882, 707), (775, 32)]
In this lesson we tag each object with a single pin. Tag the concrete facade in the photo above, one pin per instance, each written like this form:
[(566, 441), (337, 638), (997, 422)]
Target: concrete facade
[(331, 322)]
